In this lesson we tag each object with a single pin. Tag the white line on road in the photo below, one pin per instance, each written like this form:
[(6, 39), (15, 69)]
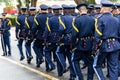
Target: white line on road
[(29, 68)]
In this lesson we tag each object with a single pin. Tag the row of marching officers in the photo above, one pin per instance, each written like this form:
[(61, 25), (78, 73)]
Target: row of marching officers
[(71, 37)]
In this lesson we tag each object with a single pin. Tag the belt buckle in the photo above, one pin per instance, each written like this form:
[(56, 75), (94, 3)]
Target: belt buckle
[(113, 39), (108, 40)]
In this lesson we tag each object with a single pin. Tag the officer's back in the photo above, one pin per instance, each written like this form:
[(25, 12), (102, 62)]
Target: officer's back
[(85, 32), (40, 22)]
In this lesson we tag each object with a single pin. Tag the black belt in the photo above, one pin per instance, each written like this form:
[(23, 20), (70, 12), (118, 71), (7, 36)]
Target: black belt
[(85, 38), (68, 34), (109, 39)]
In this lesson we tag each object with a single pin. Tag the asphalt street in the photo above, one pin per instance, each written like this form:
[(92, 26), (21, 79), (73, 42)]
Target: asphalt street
[(12, 69)]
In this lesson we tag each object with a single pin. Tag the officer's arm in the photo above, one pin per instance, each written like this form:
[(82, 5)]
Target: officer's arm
[(62, 26), (75, 30), (17, 25), (47, 29), (7, 25), (98, 30), (27, 26), (34, 26)]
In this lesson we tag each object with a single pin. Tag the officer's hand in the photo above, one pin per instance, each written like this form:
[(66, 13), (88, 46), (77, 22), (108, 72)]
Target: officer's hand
[(1, 32), (94, 52), (17, 37)]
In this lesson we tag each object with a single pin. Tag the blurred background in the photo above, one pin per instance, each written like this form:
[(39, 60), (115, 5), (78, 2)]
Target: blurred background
[(12, 7)]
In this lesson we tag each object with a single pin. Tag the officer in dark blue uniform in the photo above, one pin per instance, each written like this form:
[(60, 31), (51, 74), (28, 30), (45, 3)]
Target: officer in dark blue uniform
[(39, 29), (118, 16), (106, 36), (5, 35), (20, 31), (29, 21), (91, 10), (50, 11), (51, 37), (72, 9), (115, 10), (97, 9), (64, 50), (83, 33)]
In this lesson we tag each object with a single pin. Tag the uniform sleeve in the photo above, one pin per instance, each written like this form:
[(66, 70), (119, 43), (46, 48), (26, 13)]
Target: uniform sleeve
[(47, 29), (35, 26), (27, 26), (17, 25), (98, 30), (75, 30), (62, 26), (7, 25)]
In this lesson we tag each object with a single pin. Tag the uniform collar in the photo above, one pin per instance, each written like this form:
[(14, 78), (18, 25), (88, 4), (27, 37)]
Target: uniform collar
[(83, 14), (67, 14), (107, 13)]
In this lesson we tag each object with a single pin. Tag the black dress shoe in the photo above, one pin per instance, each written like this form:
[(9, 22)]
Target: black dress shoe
[(65, 70), (41, 61), (38, 65), (3, 55), (48, 70), (107, 76), (9, 54), (21, 58), (29, 59), (84, 66), (52, 69), (72, 78)]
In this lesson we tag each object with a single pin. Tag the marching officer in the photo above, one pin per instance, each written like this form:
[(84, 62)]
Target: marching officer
[(51, 37), (5, 35), (72, 9), (97, 10), (39, 30), (83, 33), (117, 14), (20, 31), (106, 36), (29, 21), (64, 50)]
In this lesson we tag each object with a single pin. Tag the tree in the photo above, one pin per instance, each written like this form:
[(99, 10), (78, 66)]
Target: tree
[(26, 3), (85, 1), (33, 3), (19, 6), (114, 0)]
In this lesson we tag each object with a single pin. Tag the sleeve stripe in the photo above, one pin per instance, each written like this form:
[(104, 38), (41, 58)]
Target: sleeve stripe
[(36, 20), (74, 25), (17, 22), (9, 23), (48, 25), (96, 27), (27, 23), (61, 22)]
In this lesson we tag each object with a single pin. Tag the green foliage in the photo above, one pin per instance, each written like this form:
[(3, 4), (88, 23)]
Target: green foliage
[(91, 1), (12, 19), (114, 0)]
